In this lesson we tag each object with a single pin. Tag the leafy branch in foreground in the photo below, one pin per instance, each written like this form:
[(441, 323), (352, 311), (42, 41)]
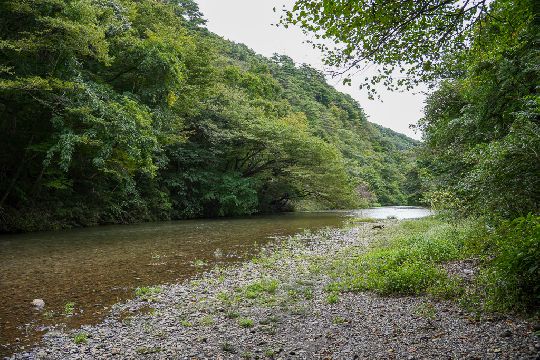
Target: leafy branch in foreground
[(422, 40)]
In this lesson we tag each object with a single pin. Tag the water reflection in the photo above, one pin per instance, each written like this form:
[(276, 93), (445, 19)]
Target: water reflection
[(397, 212)]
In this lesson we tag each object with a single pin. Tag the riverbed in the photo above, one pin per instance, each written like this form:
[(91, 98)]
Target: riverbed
[(80, 273)]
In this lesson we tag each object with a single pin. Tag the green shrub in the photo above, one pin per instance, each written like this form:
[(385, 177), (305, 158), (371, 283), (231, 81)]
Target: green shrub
[(512, 277)]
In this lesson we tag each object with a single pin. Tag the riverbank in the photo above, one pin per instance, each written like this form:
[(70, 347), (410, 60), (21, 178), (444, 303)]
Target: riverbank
[(283, 304)]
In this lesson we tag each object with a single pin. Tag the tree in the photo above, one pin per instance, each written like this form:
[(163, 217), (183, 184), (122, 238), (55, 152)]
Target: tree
[(411, 41), (481, 129), (119, 111)]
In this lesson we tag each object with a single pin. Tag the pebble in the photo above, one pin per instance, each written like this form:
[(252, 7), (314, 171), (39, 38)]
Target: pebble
[(39, 304)]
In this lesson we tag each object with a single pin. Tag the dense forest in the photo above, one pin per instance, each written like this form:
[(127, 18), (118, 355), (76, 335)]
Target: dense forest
[(125, 111)]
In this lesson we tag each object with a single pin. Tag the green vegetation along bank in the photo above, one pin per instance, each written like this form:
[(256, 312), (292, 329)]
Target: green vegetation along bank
[(121, 111)]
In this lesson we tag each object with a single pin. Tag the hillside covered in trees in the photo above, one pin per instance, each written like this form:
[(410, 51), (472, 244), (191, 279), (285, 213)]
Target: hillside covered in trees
[(121, 111)]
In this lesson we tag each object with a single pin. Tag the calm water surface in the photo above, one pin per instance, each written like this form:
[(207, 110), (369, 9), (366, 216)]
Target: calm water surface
[(97, 267)]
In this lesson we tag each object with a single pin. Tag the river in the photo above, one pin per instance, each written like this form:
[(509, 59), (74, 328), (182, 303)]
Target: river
[(94, 268)]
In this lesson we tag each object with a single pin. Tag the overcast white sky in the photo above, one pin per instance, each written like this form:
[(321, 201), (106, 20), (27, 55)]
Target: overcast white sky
[(250, 22)]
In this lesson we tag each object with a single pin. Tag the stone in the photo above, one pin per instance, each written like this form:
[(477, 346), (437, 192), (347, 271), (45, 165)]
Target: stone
[(39, 304)]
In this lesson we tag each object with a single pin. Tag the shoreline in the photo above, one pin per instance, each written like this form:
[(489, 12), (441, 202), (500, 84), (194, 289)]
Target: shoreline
[(277, 306)]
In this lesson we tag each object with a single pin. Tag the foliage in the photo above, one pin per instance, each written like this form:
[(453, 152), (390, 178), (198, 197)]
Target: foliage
[(481, 129), (515, 269), (418, 39), (119, 111)]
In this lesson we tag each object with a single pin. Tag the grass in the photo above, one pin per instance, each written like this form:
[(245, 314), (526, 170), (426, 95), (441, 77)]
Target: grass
[(69, 308), (261, 288), (207, 320), (231, 314), (200, 263), (409, 259), (406, 261), (270, 353), (332, 298), (228, 347), (186, 323), (147, 293), (363, 220), (80, 338), (246, 323), (338, 320)]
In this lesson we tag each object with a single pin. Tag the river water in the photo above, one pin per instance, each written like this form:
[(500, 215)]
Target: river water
[(94, 268)]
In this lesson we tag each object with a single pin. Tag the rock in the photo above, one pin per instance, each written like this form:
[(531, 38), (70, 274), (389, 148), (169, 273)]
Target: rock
[(39, 304), (506, 333)]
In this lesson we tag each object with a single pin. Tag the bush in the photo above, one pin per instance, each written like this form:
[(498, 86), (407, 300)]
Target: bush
[(512, 277)]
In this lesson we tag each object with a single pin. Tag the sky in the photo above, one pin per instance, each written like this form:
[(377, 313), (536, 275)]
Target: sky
[(251, 22)]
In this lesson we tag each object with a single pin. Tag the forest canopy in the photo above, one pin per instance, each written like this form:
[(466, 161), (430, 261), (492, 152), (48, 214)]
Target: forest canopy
[(114, 111)]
